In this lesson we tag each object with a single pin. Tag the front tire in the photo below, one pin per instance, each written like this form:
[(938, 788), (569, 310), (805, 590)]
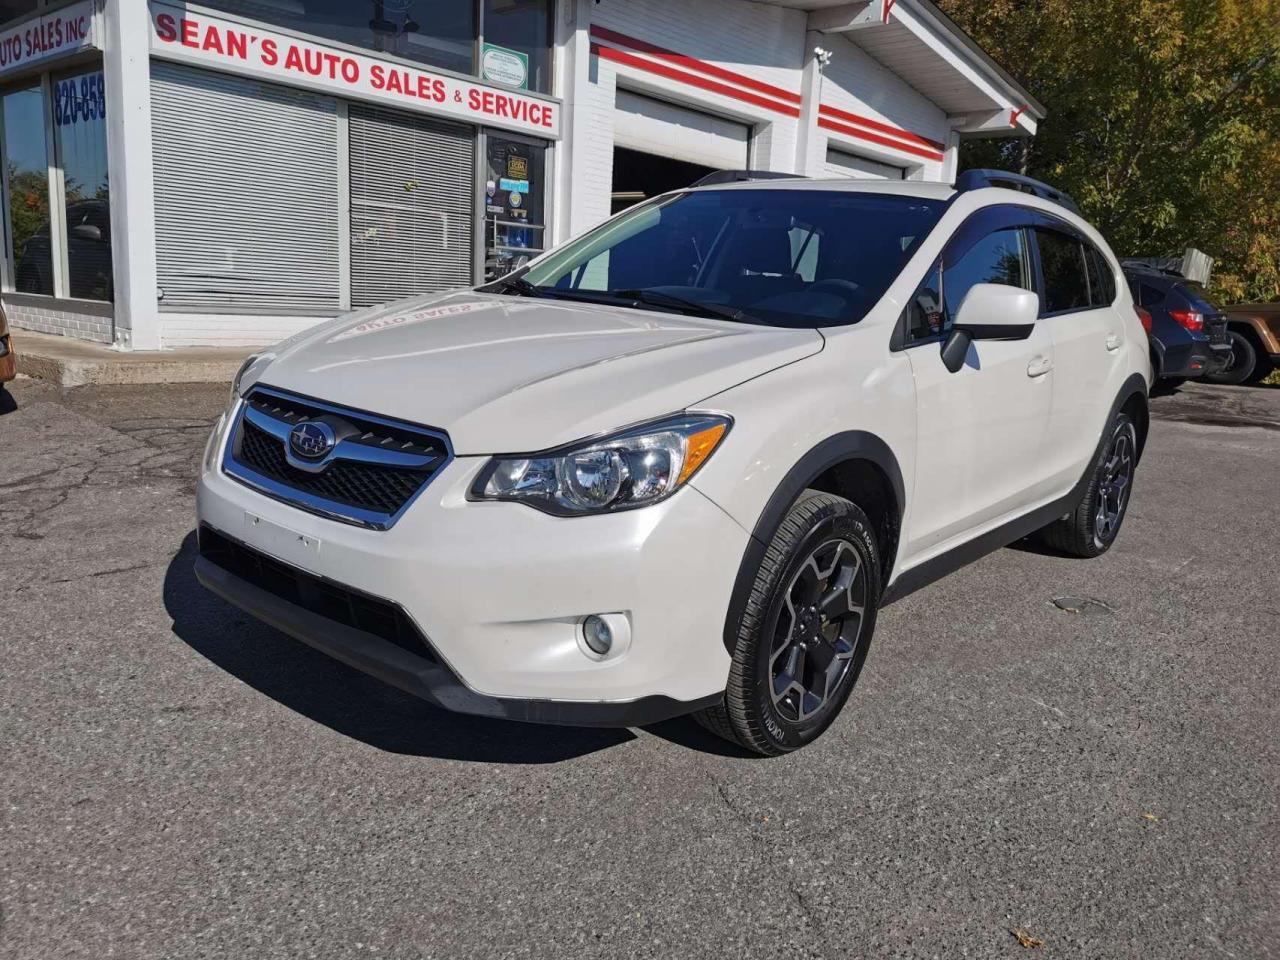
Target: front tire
[(804, 634), (1091, 529)]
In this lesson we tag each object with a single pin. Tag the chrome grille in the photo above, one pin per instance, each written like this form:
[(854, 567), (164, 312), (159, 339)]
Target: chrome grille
[(370, 476)]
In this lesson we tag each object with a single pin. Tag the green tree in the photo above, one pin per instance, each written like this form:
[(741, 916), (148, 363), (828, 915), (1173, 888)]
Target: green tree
[(29, 205), (1164, 122)]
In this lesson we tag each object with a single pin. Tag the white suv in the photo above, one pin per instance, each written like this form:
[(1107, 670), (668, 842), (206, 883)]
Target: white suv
[(677, 464)]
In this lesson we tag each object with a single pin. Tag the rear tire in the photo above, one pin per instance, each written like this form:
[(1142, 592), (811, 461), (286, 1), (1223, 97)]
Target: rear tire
[(1243, 365), (804, 633), (1091, 529)]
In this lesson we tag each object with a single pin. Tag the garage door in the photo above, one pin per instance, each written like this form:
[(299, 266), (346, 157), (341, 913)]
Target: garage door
[(841, 164), (658, 127)]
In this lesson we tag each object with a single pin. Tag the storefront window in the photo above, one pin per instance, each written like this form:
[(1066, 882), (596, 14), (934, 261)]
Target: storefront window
[(437, 32), (515, 204), (27, 165), (517, 44), (79, 115), (14, 9)]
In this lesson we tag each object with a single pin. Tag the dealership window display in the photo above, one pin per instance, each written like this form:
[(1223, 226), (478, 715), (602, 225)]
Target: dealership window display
[(517, 43), (27, 180), (515, 203), (80, 133)]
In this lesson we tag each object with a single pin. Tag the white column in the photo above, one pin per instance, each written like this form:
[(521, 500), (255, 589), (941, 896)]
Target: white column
[(810, 157), (951, 157), (126, 63), (573, 57)]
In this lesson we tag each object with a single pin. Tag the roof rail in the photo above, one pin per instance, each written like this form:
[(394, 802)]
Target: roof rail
[(742, 176), (976, 179)]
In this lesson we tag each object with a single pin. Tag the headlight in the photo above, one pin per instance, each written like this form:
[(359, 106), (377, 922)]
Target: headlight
[(630, 469)]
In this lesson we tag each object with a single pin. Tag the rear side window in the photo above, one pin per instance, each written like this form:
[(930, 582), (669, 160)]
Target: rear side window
[(1149, 295), (1066, 279), (1102, 282), (1197, 296)]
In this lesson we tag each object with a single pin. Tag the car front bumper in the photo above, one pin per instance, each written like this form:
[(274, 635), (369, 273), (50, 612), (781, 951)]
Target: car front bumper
[(498, 592)]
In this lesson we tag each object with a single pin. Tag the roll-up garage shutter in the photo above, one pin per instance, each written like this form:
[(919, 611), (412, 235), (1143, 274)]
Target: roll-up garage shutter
[(412, 205), (658, 127), (841, 164), (246, 181)]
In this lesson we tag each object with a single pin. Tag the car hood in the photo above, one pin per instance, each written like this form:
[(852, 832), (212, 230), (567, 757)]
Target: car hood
[(507, 374)]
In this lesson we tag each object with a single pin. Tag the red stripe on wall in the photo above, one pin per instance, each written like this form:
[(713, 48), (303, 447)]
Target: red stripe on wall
[(881, 127), (876, 138), (662, 70), (692, 63)]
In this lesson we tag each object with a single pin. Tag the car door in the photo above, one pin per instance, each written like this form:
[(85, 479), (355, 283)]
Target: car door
[(979, 431), (1078, 292)]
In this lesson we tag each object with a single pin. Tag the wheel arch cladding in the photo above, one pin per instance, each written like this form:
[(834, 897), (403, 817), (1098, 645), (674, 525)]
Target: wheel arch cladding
[(1133, 401), (856, 465)]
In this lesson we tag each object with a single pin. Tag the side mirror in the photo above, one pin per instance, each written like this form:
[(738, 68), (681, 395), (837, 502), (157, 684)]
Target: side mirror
[(86, 231), (990, 311)]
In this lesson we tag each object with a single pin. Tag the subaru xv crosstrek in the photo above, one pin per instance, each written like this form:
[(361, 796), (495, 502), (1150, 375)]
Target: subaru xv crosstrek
[(677, 464)]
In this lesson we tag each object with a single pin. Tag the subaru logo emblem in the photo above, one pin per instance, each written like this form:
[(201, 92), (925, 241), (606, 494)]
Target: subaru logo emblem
[(312, 439)]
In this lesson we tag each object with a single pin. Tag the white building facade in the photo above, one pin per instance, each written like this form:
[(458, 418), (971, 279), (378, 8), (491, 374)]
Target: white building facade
[(232, 172)]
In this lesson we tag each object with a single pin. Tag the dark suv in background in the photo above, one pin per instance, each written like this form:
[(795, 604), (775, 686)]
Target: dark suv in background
[(1189, 335)]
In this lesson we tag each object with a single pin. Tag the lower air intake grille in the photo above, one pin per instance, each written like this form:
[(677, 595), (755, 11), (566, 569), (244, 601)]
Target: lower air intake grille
[(322, 597)]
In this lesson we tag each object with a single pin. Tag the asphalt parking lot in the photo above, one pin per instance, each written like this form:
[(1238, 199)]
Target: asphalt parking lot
[(179, 781)]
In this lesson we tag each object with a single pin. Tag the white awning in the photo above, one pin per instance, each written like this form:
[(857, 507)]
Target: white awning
[(921, 44)]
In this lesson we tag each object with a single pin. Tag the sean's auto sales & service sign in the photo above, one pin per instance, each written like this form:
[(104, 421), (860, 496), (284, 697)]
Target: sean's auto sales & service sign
[(202, 40)]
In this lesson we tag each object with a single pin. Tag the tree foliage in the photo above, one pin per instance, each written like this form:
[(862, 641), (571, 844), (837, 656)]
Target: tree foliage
[(1164, 122)]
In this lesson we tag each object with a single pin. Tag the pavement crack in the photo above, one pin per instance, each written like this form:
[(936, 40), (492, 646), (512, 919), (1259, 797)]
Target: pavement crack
[(767, 858), (114, 570)]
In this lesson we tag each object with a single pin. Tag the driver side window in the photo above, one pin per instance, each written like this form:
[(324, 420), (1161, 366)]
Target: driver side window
[(999, 257)]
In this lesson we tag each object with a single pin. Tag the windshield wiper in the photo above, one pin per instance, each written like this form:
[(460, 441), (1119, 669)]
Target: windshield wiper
[(523, 288), (517, 285), (660, 298)]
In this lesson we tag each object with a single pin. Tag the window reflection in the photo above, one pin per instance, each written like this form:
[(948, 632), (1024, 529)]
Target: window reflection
[(27, 164), (519, 29), (13, 9), (436, 32), (79, 116)]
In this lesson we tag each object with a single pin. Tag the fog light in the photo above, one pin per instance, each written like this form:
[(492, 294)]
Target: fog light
[(598, 635)]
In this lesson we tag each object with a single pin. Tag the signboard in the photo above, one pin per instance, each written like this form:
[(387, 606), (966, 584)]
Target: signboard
[(507, 67), (49, 35), (211, 42), (79, 99)]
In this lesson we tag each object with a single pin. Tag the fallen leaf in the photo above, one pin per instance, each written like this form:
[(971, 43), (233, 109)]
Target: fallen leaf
[(1026, 939), (1150, 816)]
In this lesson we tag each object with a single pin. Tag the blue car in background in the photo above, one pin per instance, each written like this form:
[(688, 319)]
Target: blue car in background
[(1188, 335)]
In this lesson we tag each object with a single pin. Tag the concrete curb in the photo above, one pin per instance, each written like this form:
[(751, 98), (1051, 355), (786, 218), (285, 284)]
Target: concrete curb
[(75, 363)]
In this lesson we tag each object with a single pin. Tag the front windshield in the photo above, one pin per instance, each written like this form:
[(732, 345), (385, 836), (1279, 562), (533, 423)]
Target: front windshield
[(791, 258)]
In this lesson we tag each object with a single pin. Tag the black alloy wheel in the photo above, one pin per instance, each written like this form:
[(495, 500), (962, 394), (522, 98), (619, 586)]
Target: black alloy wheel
[(803, 635), (1091, 527), (817, 629), (1114, 482)]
